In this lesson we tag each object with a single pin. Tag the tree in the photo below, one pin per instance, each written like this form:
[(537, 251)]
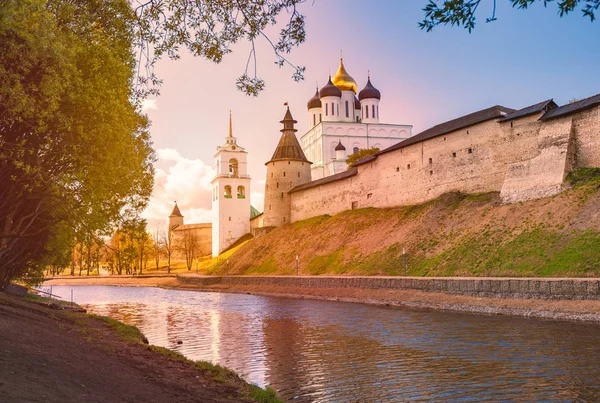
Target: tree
[(190, 247), (362, 153), (157, 245), (168, 245), (209, 28), (75, 154), (462, 12)]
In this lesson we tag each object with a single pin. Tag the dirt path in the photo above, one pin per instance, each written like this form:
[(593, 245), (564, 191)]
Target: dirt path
[(57, 356), (551, 309)]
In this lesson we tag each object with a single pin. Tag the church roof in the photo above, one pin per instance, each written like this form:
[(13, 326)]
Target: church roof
[(343, 80), (340, 146), (356, 103), (530, 110), (572, 107), (176, 211), (315, 101), (254, 212), (288, 147), (369, 91), (330, 90)]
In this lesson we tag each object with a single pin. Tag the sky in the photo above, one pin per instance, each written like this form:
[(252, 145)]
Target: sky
[(425, 78)]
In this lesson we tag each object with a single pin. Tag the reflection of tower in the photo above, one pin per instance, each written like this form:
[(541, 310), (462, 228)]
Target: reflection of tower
[(231, 194), (287, 169)]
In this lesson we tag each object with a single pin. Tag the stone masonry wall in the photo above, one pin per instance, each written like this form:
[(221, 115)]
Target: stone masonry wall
[(580, 289), (542, 175), (523, 159)]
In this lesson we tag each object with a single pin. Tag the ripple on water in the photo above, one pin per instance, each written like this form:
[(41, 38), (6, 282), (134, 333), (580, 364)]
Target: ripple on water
[(340, 352)]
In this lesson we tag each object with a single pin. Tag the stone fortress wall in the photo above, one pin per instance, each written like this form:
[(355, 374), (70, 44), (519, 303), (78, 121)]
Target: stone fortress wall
[(524, 157)]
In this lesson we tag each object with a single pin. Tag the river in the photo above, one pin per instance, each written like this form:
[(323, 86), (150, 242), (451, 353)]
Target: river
[(322, 351)]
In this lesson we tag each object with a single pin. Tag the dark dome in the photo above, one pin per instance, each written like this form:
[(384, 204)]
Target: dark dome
[(356, 103), (369, 91), (330, 90), (340, 146), (314, 102)]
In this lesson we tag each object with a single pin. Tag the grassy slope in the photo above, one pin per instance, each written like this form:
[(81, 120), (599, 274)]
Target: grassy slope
[(455, 235)]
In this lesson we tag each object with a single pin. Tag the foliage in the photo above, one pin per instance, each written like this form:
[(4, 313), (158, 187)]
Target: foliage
[(584, 176), (209, 29), (462, 12), (267, 395), (362, 153), (128, 248), (75, 155)]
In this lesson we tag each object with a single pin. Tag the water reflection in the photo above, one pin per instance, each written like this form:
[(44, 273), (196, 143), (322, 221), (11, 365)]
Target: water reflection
[(339, 352)]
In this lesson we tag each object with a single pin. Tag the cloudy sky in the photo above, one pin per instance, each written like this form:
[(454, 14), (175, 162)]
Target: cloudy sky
[(424, 78)]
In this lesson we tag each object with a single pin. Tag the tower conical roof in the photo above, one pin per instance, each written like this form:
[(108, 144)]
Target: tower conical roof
[(288, 147), (176, 211)]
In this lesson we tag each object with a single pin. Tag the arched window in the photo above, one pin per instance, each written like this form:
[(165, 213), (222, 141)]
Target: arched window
[(326, 109), (355, 150), (233, 167), (227, 192), (314, 119), (241, 192), (347, 112), (320, 118), (377, 111), (373, 111), (367, 111)]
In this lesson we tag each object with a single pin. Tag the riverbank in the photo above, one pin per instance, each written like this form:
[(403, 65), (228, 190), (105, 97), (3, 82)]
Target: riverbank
[(576, 310), (57, 356)]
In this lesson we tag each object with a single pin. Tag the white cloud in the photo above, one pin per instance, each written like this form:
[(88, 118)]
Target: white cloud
[(184, 180), (149, 104)]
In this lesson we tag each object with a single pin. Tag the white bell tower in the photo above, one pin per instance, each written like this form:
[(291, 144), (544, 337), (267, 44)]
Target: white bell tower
[(230, 194)]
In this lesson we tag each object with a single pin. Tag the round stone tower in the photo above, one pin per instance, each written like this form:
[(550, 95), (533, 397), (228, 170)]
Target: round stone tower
[(287, 169)]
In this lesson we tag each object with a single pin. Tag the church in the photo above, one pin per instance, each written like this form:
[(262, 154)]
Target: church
[(341, 124)]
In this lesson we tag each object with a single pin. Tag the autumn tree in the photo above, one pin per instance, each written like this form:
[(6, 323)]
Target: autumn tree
[(168, 246), (157, 246), (190, 247), (362, 153), (463, 12)]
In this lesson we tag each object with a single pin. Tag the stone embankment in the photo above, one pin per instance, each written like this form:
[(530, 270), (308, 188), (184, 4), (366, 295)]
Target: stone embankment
[(522, 288)]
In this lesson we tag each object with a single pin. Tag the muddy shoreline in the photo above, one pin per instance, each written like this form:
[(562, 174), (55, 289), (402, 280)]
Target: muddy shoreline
[(570, 310), (60, 356)]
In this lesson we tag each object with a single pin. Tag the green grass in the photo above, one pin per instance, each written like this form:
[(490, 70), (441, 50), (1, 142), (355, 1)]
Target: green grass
[(331, 263), (267, 395), (46, 300), (270, 266), (217, 266), (220, 374), (539, 252), (129, 334), (584, 176)]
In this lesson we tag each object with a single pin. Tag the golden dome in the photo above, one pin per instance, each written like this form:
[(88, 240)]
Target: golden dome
[(342, 79)]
